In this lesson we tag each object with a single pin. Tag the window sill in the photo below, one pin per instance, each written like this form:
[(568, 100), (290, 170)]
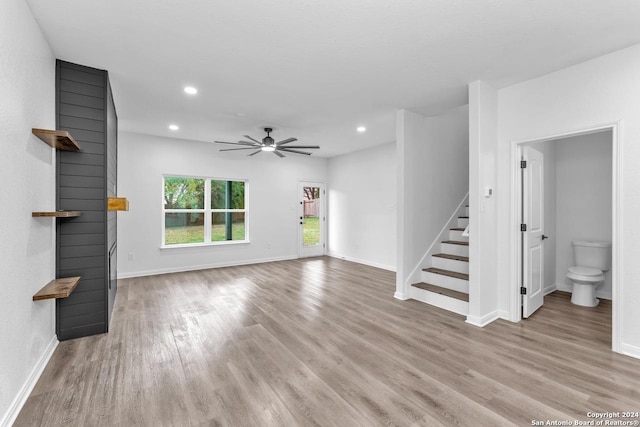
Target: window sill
[(211, 244)]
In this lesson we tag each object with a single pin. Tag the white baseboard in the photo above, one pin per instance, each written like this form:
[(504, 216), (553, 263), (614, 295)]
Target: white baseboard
[(400, 296), (201, 267), (362, 261), (504, 314), (569, 288), (16, 406), (630, 350), (564, 287), (482, 321), (550, 289)]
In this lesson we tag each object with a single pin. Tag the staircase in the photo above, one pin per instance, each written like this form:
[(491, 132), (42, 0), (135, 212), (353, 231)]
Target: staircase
[(446, 283)]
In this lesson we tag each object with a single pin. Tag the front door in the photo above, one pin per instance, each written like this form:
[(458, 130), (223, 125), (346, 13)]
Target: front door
[(311, 219), (532, 238)]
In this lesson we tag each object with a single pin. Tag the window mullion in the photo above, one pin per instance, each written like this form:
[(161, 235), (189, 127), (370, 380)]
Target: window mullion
[(207, 211)]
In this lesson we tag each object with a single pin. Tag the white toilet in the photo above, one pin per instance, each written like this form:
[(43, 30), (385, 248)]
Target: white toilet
[(592, 259)]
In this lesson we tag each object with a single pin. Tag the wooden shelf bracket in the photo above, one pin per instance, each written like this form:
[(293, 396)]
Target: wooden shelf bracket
[(117, 204)]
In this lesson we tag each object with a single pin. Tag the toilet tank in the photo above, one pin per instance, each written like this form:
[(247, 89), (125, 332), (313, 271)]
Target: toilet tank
[(593, 254)]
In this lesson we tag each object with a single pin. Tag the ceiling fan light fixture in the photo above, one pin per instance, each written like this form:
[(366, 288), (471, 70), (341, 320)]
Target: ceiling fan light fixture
[(269, 144), (190, 90)]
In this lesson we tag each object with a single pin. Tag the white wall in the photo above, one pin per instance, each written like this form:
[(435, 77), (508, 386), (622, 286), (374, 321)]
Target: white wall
[(27, 247), (484, 264), (273, 186), (433, 178), (583, 199), (362, 206), (600, 91)]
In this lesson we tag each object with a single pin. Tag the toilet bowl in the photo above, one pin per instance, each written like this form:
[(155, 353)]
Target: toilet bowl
[(585, 280), (592, 259)]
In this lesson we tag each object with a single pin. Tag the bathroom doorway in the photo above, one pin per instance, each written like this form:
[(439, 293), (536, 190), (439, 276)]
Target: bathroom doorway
[(577, 190)]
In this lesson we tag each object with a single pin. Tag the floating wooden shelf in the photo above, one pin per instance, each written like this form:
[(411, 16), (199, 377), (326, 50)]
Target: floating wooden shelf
[(58, 139), (56, 214), (118, 204), (57, 288)]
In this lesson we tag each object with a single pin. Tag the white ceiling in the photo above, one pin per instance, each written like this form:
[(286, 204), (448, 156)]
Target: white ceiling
[(317, 69)]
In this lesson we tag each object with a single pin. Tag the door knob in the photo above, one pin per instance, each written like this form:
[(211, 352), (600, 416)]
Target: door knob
[(544, 237)]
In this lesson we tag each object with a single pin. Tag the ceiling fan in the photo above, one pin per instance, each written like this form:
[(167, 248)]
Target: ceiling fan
[(269, 144)]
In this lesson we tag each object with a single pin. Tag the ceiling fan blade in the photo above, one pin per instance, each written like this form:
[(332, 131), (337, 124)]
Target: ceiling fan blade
[(279, 154), (235, 149), (294, 151), (286, 141), (254, 153), (249, 143), (254, 140), (314, 147), (235, 143)]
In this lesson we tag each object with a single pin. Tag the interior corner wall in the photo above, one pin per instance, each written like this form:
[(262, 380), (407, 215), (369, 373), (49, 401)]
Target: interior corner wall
[(362, 206), (27, 247), (483, 128), (605, 90), (272, 203), (433, 162)]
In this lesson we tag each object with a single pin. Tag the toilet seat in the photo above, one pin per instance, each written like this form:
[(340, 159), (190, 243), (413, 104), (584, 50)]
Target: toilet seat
[(585, 274)]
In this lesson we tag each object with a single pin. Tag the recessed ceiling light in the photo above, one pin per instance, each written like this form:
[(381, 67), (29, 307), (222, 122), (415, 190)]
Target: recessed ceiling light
[(173, 127), (361, 129), (190, 90)]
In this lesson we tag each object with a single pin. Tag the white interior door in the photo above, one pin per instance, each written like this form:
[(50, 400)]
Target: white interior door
[(533, 218), (311, 218)]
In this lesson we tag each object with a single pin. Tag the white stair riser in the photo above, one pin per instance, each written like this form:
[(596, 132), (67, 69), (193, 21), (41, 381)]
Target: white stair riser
[(446, 281), (448, 248), (466, 211), (450, 264), (463, 222), (442, 301), (457, 235)]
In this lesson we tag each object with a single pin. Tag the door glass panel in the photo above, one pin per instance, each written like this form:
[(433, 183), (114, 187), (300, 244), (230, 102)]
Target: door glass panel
[(311, 216)]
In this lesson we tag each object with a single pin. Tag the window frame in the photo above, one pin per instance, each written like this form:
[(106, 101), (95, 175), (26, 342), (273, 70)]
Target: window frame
[(207, 211)]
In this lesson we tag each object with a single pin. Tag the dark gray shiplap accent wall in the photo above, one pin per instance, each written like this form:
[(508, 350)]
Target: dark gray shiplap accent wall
[(82, 105)]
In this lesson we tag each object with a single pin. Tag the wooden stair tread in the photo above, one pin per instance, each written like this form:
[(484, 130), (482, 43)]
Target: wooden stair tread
[(443, 291), (454, 257), (455, 242), (454, 274), (457, 229), (463, 217)]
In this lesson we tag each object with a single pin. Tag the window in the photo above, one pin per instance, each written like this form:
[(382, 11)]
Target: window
[(204, 211)]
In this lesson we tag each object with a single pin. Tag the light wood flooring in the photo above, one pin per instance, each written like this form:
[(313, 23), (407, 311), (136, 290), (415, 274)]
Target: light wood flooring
[(323, 342)]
